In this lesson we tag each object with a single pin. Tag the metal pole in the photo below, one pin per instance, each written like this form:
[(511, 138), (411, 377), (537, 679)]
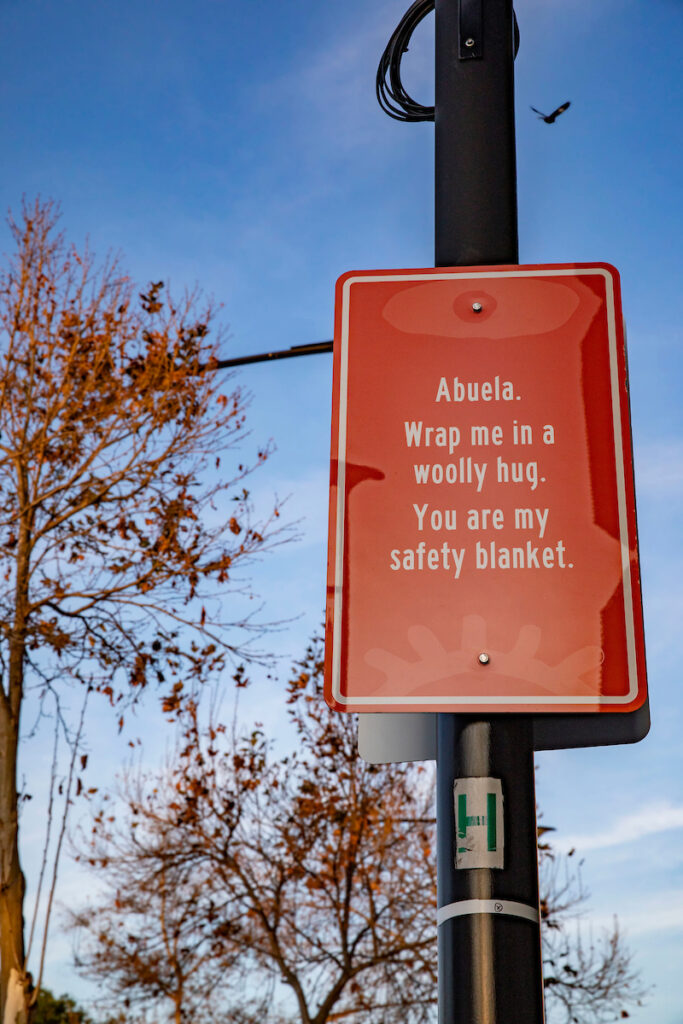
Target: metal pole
[(489, 930), (489, 950), (475, 166)]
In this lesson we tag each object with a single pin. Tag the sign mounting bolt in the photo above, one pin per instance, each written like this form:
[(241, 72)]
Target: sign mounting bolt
[(469, 43), (484, 659), (477, 307)]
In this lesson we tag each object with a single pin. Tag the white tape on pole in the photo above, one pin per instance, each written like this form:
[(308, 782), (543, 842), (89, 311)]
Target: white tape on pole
[(504, 907)]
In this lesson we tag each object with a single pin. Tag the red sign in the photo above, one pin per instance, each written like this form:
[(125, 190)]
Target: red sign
[(482, 551)]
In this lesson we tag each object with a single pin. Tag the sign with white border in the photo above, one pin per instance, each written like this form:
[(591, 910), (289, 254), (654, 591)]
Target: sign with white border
[(483, 552)]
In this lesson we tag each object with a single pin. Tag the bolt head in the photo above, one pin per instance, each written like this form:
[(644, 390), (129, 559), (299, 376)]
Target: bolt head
[(469, 42), (484, 659), (477, 307)]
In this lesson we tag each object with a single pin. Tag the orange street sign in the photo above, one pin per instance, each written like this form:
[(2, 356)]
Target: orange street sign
[(482, 546)]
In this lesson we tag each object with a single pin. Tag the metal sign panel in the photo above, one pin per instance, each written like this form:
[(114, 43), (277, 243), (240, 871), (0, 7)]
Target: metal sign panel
[(483, 552)]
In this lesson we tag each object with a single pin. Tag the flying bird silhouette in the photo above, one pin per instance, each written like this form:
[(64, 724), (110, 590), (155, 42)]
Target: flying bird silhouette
[(551, 118)]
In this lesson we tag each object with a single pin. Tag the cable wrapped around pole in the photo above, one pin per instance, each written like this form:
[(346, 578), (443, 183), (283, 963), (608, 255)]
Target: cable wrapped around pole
[(392, 96)]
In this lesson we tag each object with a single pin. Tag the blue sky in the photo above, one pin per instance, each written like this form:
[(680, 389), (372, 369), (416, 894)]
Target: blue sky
[(240, 146)]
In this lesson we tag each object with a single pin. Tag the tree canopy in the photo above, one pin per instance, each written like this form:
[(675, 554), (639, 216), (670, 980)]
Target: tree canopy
[(120, 526), (51, 1009), (313, 876), (316, 874)]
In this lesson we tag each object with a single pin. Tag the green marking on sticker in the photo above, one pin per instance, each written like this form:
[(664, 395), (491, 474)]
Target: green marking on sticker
[(491, 836), (462, 815)]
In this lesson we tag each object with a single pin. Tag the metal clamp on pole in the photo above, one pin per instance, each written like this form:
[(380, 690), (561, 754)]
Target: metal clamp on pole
[(471, 30)]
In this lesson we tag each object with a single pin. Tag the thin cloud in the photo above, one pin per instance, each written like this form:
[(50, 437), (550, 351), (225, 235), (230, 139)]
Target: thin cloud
[(657, 818), (661, 912), (335, 85)]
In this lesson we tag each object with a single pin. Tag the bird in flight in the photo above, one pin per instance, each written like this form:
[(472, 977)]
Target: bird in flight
[(551, 118)]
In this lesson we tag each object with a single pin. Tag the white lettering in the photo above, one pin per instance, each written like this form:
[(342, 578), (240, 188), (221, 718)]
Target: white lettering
[(422, 557), (493, 556), (474, 391), (464, 471), (413, 433), (524, 519), (417, 435), (420, 513), (517, 472)]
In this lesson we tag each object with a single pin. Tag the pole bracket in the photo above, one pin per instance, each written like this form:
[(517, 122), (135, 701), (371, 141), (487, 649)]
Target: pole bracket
[(471, 30), (510, 908)]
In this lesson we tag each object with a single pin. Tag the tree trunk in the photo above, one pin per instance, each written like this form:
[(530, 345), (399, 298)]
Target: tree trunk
[(13, 976), (12, 885)]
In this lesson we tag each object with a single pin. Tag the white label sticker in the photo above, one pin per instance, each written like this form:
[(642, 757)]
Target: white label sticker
[(478, 805)]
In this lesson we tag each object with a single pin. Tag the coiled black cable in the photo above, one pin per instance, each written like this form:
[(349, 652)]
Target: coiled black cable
[(391, 94)]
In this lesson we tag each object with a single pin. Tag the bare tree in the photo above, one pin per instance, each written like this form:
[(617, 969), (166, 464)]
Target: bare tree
[(318, 865), (116, 516), (159, 934), (319, 873), (589, 977)]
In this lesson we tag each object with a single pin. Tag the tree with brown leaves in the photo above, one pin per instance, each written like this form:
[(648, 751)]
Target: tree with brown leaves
[(118, 524), (159, 937), (316, 867), (317, 879)]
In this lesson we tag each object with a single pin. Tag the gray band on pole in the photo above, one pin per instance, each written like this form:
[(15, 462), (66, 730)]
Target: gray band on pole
[(507, 907)]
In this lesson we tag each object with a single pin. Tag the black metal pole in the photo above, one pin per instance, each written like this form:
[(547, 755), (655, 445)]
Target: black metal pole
[(489, 949), (475, 164), (489, 926)]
